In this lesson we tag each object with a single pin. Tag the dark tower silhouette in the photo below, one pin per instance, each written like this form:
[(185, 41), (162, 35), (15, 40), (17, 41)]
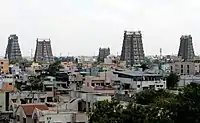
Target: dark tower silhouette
[(103, 53), (132, 48), (186, 50), (13, 52), (43, 52)]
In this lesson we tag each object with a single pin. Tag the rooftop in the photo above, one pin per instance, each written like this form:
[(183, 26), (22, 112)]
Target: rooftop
[(29, 108), (136, 73)]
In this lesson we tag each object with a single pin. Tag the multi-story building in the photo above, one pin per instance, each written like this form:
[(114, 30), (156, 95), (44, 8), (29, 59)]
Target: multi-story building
[(98, 85), (136, 81), (103, 53), (4, 65), (132, 48), (43, 52), (183, 68), (13, 51), (188, 79), (186, 50)]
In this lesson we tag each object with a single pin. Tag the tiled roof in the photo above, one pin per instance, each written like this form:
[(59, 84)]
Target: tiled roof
[(29, 108)]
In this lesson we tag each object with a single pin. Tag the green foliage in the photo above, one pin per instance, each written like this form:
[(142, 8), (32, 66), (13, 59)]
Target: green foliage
[(113, 112), (187, 107), (53, 68), (76, 61), (152, 107), (94, 64), (106, 112), (160, 97), (18, 85), (172, 81), (144, 67), (36, 83)]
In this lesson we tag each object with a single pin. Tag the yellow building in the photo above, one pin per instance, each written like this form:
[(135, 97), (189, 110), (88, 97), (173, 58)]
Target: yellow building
[(36, 66), (4, 65)]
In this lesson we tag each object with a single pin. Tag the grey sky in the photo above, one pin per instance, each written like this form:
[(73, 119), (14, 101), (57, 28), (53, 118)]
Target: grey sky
[(80, 27)]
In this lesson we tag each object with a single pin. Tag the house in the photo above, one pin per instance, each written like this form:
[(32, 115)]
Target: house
[(98, 85), (24, 112), (48, 116)]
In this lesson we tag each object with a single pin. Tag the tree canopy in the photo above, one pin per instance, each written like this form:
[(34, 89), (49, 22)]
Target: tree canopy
[(152, 107), (172, 81), (53, 68)]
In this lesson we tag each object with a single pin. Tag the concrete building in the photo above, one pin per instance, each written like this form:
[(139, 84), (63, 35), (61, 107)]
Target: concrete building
[(186, 50), (197, 66), (13, 51), (58, 117), (132, 48), (43, 52), (4, 66), (188, 79), (136, 81), (103, 53), (98, 85), (183, 68), (24, 112)]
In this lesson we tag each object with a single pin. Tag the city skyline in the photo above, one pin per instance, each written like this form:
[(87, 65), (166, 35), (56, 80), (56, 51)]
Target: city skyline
[(81, 27)]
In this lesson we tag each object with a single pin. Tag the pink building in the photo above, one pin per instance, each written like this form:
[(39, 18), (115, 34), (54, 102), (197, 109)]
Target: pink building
[(98, 85)]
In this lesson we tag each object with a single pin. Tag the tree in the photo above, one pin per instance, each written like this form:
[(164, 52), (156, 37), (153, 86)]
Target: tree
[(157, 107), (187, 107), (160, 98), (144, 67), (172, 81), (113, 112), (53, 68), (36, 83), (106, 112), (76, 61)]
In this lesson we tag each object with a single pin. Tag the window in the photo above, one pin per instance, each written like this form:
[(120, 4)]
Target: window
[(1, 62), (24, 120), (18, 118), (10, 83), (35, 121), (42, 100), (181, 66), (188, 66), (138, 86), (181, 71), (14, 100), (49, 99), (188, 71)]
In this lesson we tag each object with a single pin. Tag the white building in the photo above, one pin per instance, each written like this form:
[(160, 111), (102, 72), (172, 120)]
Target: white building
[(138, 81), (50, 116), (187, 79)]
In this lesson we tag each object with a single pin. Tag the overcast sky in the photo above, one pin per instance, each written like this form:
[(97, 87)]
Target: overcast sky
[(80, 27)]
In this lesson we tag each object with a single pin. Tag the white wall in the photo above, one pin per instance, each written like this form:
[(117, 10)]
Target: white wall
[(64, 118)]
